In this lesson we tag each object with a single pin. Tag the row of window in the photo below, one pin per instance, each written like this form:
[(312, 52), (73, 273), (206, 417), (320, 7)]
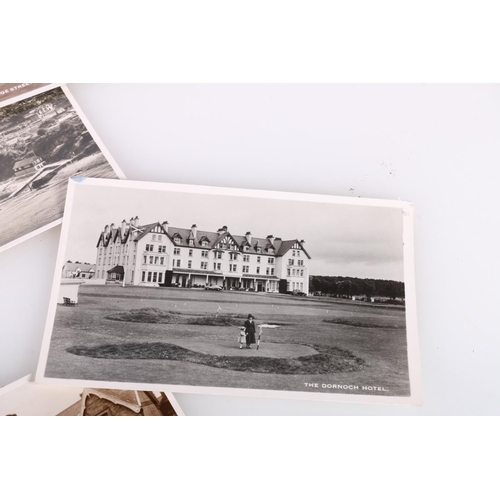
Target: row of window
[(204, 253), (161, 248), (246, 248), (291, 262), (117, 260), (245, 269), (219, 256), (295, 272), (292, 285), (118, 249), (233, 268), (153, 260), (152, 277), (161, 261), (177, 240)]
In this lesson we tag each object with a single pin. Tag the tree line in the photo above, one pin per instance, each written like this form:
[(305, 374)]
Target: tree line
[(341, 286)]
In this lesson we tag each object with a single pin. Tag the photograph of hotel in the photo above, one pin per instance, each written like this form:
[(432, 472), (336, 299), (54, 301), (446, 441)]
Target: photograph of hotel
[(149, 317), (160, 255)]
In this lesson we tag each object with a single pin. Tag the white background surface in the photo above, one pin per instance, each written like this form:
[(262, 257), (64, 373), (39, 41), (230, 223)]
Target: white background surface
[(434, 145)]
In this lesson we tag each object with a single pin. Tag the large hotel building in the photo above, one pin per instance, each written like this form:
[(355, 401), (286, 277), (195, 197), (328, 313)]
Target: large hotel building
[(157, 254)]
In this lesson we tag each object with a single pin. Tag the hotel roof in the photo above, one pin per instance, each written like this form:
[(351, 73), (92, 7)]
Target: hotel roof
[(184, 235)]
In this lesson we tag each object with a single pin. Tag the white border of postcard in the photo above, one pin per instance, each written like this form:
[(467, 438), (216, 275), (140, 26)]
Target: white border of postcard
[(414, 369), (118, 171)]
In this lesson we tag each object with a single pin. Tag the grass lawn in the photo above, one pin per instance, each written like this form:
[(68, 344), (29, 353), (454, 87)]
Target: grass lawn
[(169, 335)]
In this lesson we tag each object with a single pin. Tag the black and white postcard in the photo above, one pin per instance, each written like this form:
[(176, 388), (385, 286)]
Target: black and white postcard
[(44, 140), (233, 291), (24, 398)]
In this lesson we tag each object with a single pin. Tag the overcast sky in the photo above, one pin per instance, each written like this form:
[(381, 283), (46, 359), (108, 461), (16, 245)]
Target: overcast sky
[(342, 240)]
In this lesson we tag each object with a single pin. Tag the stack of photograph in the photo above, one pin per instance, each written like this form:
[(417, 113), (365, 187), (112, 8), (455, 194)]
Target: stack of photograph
[(167, 288)]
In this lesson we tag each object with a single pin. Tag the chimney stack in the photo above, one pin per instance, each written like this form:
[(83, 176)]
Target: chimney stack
[(271, 238), (136, 221), (194, 230), (248, 236), (106, 229), (111, 227), (124, 226), (165, 225)]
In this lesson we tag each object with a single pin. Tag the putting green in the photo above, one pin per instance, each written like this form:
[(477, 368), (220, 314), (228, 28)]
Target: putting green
[(227, 348)]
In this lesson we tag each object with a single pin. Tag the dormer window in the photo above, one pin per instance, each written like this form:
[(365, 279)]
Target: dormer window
[(177, 240), (191, 243), (204, 243), (246, 248), (259, 250)]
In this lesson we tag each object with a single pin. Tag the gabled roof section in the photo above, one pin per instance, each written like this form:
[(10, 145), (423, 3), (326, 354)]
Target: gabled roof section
[(263, 243), (105, 238), (116, 234), (223, 236), (101, 238), (119, 236), (147, 229), (72, 266), (287, 245), (26, 161), (116, 270), (113, 234), (201, 236), (126, 235)]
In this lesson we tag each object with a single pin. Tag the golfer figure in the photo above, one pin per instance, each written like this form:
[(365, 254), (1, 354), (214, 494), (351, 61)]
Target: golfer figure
[(250, 331)]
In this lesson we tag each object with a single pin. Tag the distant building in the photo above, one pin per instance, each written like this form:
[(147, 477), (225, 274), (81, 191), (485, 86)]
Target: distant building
[(73, 270), (28, 166), (45, 110), (112, 403), (158, 254), (116, 273)]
